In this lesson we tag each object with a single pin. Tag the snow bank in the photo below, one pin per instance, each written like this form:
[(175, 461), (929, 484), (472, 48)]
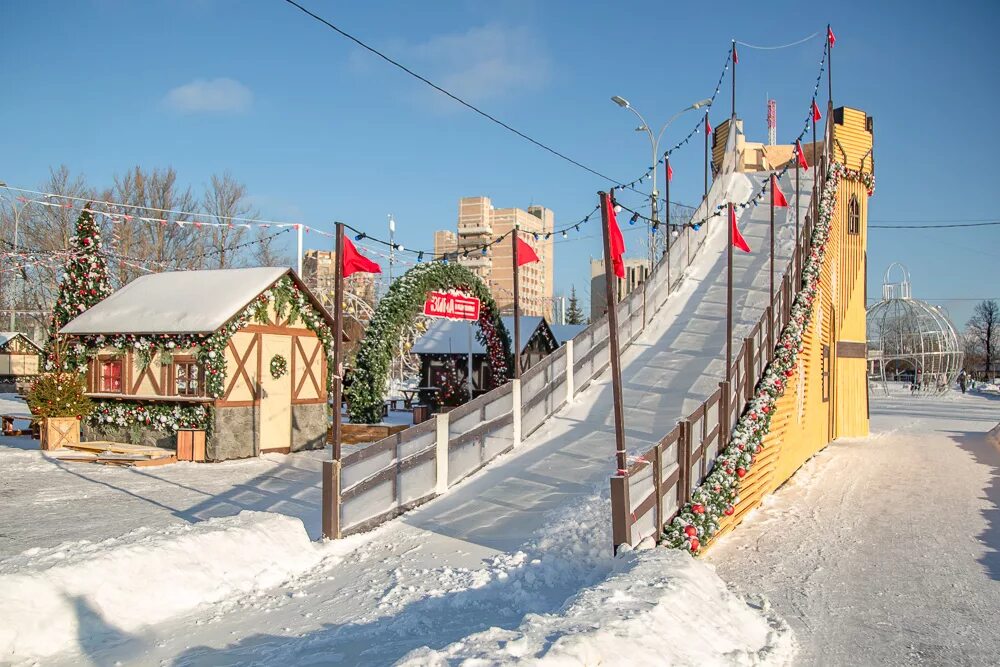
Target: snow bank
[(50, 599), (660, 607)]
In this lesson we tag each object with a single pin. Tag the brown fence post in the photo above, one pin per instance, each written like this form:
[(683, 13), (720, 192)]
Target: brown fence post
[(658, 489), (750, 379), (770, 334), (684, 461), (621, 512), (724, 414), (331, 499)]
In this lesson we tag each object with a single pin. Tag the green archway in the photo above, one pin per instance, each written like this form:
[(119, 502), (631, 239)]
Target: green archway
[(403, 303)]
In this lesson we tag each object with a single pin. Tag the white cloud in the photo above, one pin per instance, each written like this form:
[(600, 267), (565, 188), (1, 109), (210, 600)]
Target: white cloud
[(483, 63), (210, 96)]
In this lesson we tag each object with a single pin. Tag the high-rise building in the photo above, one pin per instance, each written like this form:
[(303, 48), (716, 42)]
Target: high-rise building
[(479, 223), (636, 273), (319, 275)]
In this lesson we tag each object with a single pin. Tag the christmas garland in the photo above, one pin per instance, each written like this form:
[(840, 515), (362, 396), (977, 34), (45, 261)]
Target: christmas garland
[(279, 366), (161, 416), (717, 496), (403, 303)]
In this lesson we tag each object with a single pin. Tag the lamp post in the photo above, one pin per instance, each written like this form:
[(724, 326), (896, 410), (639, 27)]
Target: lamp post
[(13, 283), (654, 142)]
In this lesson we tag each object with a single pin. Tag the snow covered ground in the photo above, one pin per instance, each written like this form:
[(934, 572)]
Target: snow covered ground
[(886, 550), (527, 535)]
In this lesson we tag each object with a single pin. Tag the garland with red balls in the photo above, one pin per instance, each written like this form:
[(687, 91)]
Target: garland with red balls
[(718, 495)]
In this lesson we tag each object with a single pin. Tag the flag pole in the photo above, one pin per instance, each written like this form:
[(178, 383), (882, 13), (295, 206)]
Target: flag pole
[(612, 305), (729, 295), (815, 166), (517, 306), (829, 66), (666, 212), (735, 60), (704, 128), (331, 468), (798, 190), (774, 183)]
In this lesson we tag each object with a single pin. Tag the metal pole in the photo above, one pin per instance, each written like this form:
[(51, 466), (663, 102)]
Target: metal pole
[(829, 67), (517, 306), (798, 243), (298, 254), (666, 212), (616, 371), (815, 166), (653, 196), (729, 295), (704, 128), (733, 58), (471, 396)]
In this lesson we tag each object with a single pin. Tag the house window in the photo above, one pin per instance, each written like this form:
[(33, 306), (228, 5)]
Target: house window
[(111, 376), (188, 379), (854, 216)]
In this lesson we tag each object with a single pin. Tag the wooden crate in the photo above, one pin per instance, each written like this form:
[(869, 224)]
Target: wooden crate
[(59, 432), (190, 444)]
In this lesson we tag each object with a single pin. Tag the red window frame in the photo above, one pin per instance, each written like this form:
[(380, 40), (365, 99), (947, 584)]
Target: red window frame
[(111, 376)]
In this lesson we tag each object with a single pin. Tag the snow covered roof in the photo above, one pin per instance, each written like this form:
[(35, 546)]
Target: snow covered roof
[(7, 336), (565, 332), (176, 302), (451, 337)]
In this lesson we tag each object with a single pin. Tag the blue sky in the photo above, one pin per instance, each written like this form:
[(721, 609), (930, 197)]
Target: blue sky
[(320, 130)]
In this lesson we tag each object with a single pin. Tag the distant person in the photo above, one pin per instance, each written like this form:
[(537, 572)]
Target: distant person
[(962, 380)]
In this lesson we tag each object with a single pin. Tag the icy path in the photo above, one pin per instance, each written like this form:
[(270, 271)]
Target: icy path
[(886, 551), (521, 537)]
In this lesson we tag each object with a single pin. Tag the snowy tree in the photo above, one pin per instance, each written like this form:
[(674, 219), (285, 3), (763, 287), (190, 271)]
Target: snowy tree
[(574, 314), (984, 330)]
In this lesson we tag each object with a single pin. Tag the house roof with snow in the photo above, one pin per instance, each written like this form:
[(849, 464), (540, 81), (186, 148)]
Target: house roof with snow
[(180, 302), (565, 332), (8, 336), (451, 337)]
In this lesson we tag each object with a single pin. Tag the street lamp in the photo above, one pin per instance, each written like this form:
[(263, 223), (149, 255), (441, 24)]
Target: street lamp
[(654, 141)]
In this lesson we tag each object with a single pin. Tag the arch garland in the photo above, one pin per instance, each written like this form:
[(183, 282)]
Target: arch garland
[(404, 302)]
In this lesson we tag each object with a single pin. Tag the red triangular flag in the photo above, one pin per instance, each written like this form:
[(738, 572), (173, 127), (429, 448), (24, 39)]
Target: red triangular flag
[(708, 126), (736, 57), (830, 36), (355, 262), (670, 173), (801, 155), (779, 196), (616, 241), (816, 114), (738, 240), (525, 253)]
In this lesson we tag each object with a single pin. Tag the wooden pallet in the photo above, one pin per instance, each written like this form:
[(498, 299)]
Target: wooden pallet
[(118, 460), (117, 453)]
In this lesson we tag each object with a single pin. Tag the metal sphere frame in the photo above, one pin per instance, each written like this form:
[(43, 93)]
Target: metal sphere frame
[(911, 342)]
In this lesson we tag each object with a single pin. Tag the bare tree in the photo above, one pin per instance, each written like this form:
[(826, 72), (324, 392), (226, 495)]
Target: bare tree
[(162, 244), (984, 328), (265, 251), (226, 198)]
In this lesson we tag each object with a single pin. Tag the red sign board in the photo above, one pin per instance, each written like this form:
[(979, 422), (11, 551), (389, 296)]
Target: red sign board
[(452, 306)]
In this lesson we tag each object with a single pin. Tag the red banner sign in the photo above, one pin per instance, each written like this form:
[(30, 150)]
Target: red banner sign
[(452, 306)]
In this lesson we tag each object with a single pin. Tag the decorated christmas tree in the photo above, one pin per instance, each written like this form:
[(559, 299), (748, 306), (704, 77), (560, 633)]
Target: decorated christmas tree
[(84, 281)]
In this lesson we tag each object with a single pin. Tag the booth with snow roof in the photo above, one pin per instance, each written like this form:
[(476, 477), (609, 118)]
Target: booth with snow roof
[(234, 357)]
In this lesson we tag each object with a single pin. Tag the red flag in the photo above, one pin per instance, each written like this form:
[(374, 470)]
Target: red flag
[(816, 114), (670, 173), (779, 196), (525, 254), (830, 36), (355, 262), (738, 240), (708, 126), (616, 241), (801, 155), (736, 57)]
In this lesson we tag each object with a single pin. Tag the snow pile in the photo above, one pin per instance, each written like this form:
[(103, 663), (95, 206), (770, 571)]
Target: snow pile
[(660, 607), (50, 599)]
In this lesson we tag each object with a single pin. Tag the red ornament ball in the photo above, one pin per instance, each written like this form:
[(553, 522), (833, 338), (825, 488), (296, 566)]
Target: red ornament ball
[(698, 508), (694, 544), (741, 472), (690, 531), (729, 510)]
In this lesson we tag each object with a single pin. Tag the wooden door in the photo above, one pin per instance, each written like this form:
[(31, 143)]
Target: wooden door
[(275, 395)]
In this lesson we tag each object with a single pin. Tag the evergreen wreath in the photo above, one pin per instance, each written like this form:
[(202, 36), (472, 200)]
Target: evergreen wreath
[(403, 303), (279, 366), (718, 495)]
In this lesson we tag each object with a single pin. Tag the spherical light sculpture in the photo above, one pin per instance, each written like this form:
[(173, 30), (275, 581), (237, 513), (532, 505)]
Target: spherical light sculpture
[(912, 345)]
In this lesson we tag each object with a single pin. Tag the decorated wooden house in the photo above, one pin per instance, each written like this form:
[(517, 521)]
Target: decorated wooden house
[(445, 346), (240, 354), (19, 357)]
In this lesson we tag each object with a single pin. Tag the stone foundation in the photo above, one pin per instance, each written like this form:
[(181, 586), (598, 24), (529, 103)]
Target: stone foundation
[(235, 434), (309, 425), (138, 436)]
